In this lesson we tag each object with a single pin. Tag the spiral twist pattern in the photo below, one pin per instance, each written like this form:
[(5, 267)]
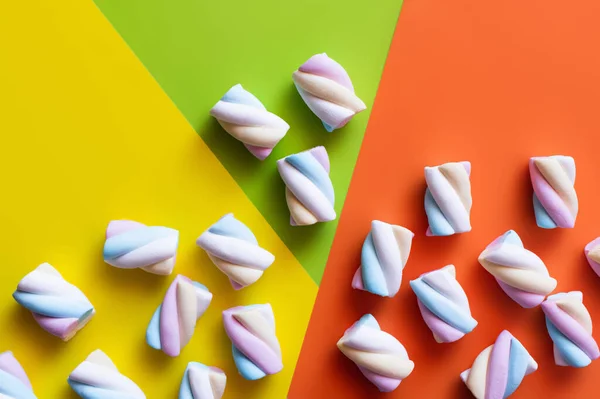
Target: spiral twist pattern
[(256, 350), (14, 383), (383, 257), (309, 192), (554, 198), (57, 306), (233, 248), (570, 326), (381, 358), (98, 378), (499, 370), (448, 198), (326, 88), (173, 324), (202, 382), (132, 245), (243, 116), (520, 273), (444, 304)]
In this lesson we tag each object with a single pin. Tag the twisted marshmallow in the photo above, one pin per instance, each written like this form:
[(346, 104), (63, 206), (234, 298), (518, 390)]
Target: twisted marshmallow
[(132, 245), (592, 253), (14, 383), (98, 378), (233, 248), (448, 198), (309, 192), (245, 118), (173, 324), (570, 327), (384, 255), (57, 306), (326, 88), (256, 350), (444, 304), (202, 382), (379, 356), (554, 198), (520, 273), (499, 370)]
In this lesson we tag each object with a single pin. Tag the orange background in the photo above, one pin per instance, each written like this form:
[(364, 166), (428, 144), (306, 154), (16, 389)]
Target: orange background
[(493, 83)]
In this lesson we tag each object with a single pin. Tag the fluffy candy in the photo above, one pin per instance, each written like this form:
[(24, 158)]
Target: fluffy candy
[(202, 382), (256, 350), (98, 378), (132, 245), (570, 326), (383, 257), (520, 273), (499, 370), (327, 90), (173, 324), (554, 198), (444, 304), (233, 248), (592, 253), (14, 383), (309, 192), (245, 118), (448, 198), (379, 356), (58, 306)]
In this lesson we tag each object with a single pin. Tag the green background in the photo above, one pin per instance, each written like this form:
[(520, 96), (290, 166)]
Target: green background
[(198, 49)]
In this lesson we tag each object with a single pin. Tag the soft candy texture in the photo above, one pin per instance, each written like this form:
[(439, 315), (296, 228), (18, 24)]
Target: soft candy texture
[(132, 245), (245, 118), (233, 248), (309, 192), (444, 304), (570, 326), (58, 306), (448, 198), (592, 253), (519, 272), (499, 370), (14, 383), (554, 198), (384, 255), (173, 324), (379, 356), (256, 350), (202, 382), (327, 90), (98, 378)]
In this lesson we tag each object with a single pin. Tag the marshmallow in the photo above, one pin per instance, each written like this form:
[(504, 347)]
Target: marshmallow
[(309, 192), (245, 118), (379, 356), (132, 245), (173, 324), (554, 198), (383, 257), (57, 305), (499, 370), (444, 304), (233, 248), (326, 88), (448, 198), (14, 383), (256, 350), (520, 273), (98, 378), (202, 382), (592, 253), (570, 327)]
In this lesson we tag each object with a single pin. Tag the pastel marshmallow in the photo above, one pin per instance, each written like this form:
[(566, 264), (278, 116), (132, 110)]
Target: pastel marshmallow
[(202, 382), (14, 383), (592, 254)]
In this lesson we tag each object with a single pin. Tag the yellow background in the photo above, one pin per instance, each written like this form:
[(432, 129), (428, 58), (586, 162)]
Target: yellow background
[(88, 136)]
